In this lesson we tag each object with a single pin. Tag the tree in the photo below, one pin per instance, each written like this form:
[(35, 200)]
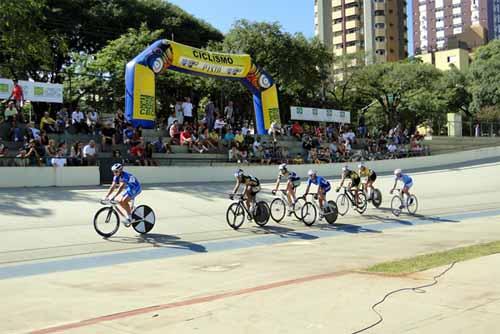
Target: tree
[(485, 77)]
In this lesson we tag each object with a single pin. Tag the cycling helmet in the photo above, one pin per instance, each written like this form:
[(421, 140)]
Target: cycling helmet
[(311, 172), (238, 173), (345, 168), (397, 171), (116, 167), (361, 165), (282, 167)]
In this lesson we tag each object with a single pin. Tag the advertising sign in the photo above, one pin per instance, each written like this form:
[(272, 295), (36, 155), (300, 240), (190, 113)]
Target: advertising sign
[(320, 115), (34, 91)]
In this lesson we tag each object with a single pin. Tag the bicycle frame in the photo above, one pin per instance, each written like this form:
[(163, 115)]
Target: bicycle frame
[(349, 195), (242, 200), (116, 206)]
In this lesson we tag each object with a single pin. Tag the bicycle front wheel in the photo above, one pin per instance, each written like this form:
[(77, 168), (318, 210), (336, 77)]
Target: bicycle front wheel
[(278, 209), (297, 207), (412, 204), (309, 213), (342, 204), (235, 215), (106, 222), (396, 205)]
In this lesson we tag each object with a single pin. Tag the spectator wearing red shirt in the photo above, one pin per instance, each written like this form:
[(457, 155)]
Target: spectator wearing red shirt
[(297, 130), (186, 138), (137, 152), (17, 94)]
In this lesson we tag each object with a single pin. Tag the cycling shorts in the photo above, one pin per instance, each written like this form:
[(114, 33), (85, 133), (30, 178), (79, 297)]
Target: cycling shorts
[(356, 182), (408, 185), (372, 177), (326, 188), (132, 192)]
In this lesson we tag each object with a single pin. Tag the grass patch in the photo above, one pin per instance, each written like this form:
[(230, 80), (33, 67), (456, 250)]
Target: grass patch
[(428, 261)]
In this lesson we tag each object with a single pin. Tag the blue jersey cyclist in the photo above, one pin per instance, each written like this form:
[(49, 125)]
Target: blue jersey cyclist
[(126, 182), (293, 181), (407, 184), (323, 186)]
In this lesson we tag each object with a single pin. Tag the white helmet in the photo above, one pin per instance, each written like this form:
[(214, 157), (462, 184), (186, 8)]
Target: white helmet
[(311, 172), (361, 165), (116, 167), (397, 171), (238, 172), (282, 167), (345, 168)]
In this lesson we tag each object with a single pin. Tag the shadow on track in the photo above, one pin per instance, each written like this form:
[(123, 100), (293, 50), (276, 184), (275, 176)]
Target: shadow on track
[(283, 232), (160, 240), (348, 228)]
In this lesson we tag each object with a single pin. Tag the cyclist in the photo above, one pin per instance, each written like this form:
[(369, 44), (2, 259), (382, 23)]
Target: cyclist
[(293, 181), (323, 187), (371, 176), (407, 184), (252, 187), (355, 180), (132, 187)]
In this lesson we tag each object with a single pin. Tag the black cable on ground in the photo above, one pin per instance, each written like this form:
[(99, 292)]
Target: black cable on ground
[(417, 289)]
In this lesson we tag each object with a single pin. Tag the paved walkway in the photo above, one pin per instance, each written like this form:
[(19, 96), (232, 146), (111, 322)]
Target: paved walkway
[(196, 275)]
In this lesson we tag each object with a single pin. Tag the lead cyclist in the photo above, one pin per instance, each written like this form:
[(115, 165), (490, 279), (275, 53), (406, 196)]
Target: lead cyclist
[(122, 179)]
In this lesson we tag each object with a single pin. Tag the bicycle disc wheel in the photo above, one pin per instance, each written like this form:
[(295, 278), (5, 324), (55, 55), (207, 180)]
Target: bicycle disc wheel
[(143, 219), (362, 203), (412, 205), (235, 215), (262, 213), (396, 205), (377, 198), (297, 207), (342, 204), (309, 213), (106, 222), (278, 209), (331, 212)]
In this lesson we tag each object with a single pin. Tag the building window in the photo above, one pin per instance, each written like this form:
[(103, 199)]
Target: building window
[(379, 13), (379, 25), (380, 39)]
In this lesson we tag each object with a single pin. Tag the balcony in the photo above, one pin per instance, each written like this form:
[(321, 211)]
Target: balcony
[(355, 36), (336, 3), (337, 40), (379, 32), (336, 15), (379, 6), (353, 24), (352, 11), (353, 49), (379, 19), (337, 27)]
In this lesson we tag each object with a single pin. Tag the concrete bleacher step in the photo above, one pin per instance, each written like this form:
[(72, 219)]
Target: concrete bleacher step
[(197, 156)]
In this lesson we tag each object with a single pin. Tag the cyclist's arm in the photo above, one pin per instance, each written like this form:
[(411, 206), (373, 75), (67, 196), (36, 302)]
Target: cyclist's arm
[(307, 189), (111, 189), (235, 190), (394, 187), (342, 181), (277, 183), (120, 188)]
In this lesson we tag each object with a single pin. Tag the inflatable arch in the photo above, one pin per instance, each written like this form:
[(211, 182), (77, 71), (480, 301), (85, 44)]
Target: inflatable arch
[(165, 55)]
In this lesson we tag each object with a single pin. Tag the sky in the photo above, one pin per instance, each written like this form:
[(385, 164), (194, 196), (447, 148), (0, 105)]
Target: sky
[(293, 15)]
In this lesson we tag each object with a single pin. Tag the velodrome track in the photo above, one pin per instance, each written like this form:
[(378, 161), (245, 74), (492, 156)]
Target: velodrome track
[(56, 271)]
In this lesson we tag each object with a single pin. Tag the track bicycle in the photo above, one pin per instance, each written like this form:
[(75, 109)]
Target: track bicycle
[(279, 206), (376, 195), (107, 219), (397, 206), (309, 211), (237, 211), (347, 198)]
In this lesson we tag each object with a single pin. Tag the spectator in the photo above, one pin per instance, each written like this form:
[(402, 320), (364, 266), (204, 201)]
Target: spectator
[(266, 157), (58, 160), (35, 153), (210, 114), (148, 153), (229, 113), (21, 158), (32, 132), (17, 94), (15, 132), (61, 120), (174, 133), (128, 134), (274, 130), (10, 112), (219, 124), (78, 120), (3, 150), (179, 114), (63, 148), (313, 156), (333, 151), (238, 138), (51, 150), (108, 134), (257, 148), (90, 154), (93, 120), (76, 154), (137, 153), (392, 148), (245, 131), (161, 147), (361, 126), (187, 110), (213, 138), (44, 139), (185, 138), (137, 137), (119, 121), (48, 124), (330, 132), (297, 130), (477, 130), (349, 136), (170, 120), (228, 138)]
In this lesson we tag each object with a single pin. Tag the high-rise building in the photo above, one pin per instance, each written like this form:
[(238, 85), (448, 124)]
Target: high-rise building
[(435, 22), (376, 27)]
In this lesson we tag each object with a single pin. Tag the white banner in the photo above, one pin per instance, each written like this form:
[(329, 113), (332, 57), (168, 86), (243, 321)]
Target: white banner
[(34, 91), (320, 115)]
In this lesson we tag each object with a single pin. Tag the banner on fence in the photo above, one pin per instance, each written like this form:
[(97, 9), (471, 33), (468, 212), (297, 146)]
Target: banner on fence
[(320, 115), (34, 91)]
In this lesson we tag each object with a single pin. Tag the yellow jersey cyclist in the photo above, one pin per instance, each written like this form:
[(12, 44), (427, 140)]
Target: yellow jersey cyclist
[(407, 184), (323, 187), (371, 177), (122, 179), (293, 181), (355, 180), (252, 187)]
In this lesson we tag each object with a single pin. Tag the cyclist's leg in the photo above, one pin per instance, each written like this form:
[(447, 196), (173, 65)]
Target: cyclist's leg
[(321, 197), (249, 197), (290, 192)]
